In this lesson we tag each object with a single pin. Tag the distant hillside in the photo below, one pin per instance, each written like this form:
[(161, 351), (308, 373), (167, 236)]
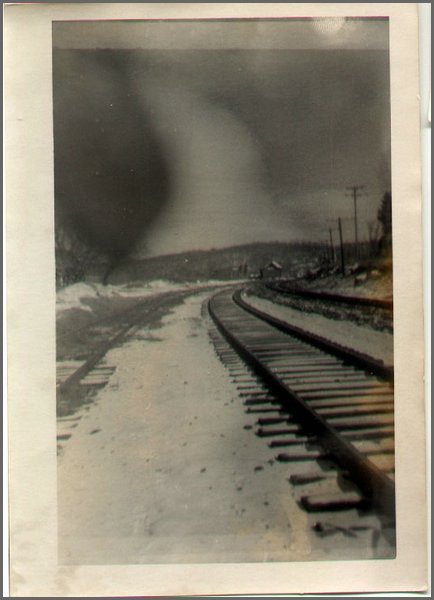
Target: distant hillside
[(226, 263)]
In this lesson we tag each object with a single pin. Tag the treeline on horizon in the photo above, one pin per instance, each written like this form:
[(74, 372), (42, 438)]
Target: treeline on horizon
[(235, 262), (75, 261), (216, 263)]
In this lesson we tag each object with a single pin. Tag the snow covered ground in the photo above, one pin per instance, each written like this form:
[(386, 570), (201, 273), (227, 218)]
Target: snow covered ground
[(164, 465), (78, 295), (364, 339)]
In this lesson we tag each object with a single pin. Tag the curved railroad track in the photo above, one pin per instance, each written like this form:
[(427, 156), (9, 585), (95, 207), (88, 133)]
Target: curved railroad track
[(81, 366), (288, 289), (106, 333), (318, 404), (86, 370)]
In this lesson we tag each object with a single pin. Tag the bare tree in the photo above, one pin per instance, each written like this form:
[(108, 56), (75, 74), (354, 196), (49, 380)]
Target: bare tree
[(374, 232), (73, 256), (385, 219)]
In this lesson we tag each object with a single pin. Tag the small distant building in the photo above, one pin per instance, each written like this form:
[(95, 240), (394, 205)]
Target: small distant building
[(273, 270)]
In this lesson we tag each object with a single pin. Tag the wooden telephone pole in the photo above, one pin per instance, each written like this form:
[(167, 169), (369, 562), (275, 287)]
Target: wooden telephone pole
[(341, 243), (356, 193), (332, 248)]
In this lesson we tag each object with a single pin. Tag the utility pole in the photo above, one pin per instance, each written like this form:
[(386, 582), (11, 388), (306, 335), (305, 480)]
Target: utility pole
[(342, 247), (331, 245), (356, 193)]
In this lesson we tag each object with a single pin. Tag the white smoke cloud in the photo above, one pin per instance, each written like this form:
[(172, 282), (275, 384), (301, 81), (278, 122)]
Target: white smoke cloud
[(218, 196)]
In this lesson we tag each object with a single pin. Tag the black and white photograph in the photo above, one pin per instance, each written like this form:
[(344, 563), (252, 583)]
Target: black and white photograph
[(214, 299), (224, 338)]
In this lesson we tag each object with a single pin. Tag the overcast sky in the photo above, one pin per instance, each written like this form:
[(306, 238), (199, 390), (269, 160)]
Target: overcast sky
[(197, 135)]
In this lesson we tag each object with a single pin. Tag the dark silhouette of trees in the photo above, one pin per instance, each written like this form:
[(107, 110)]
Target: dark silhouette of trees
[(73, 256), (375, 233), (384, 217)]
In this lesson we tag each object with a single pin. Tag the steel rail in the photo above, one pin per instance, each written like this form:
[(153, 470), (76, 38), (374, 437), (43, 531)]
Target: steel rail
[(363, 361), (96, 356), (377, 487)]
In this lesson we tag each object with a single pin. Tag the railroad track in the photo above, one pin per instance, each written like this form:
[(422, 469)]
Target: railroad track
[(325, 410), (84, 370), (91, 342), (78, 378), (285, 288)]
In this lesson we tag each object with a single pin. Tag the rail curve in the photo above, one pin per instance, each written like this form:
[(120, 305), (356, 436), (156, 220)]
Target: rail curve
[(341, 400)]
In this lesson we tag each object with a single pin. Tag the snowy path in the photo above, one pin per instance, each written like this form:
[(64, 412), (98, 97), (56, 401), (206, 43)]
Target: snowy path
[(161, 469), (164, 466)]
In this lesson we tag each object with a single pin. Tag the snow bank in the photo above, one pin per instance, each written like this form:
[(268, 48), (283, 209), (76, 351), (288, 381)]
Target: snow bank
[(72, 296), (78, 295)]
